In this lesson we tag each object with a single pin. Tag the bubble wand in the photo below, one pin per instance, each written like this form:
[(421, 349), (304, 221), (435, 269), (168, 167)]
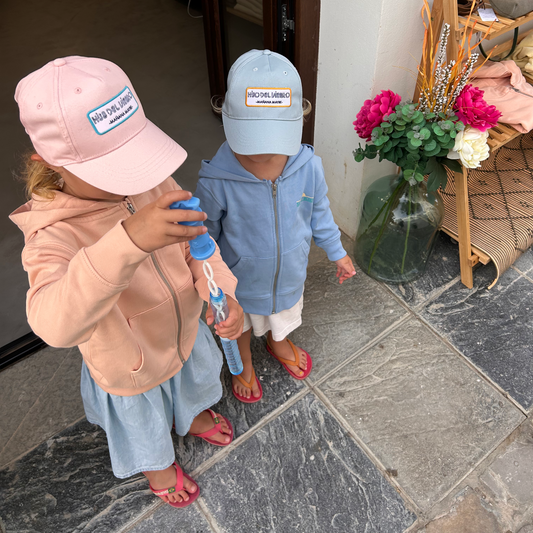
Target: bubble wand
[(202, 248)]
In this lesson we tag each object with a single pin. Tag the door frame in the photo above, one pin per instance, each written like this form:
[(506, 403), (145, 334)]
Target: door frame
[(20, 348), (307, 19)]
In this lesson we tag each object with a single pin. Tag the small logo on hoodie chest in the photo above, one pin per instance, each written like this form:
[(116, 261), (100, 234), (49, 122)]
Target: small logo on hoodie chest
[(305, 198)]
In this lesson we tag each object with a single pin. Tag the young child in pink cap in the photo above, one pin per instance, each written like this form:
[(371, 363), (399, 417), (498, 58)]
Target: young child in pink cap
[(265, 197), (110, 269)]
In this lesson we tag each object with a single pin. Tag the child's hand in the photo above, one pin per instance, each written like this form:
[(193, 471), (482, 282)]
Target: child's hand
[(231, 328), (154, 226), (345, 269)]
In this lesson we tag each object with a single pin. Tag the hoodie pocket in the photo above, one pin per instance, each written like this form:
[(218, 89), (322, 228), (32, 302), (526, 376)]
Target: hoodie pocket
[(293, 268), (155, 332), (254, 276)]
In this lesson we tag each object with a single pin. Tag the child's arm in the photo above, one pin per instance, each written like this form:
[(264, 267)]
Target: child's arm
[(232, 327), (325, 232), (212, 206), (72, 289)]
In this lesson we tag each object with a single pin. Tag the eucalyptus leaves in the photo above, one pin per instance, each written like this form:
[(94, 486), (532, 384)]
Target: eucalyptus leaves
[(417, 142)]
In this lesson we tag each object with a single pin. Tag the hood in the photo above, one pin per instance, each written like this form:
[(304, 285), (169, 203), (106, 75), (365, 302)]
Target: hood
[(39, 212), (502, 69), (225, 165)]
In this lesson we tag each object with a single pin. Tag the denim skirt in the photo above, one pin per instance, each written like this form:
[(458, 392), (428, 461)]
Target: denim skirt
[(138, 427)]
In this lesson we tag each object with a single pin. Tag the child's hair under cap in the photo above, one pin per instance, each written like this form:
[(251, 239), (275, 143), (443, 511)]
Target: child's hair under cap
[(82, 113), (262, 111)]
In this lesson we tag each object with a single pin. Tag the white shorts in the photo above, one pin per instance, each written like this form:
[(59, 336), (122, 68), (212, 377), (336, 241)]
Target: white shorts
[(280, 324)]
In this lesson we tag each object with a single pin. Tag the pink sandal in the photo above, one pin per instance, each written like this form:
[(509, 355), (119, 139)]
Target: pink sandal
[(296, 361), (252, 398), (218, 424), (180, 474)]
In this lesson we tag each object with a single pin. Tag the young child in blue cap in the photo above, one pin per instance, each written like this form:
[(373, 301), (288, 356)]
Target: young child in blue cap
[(265, 197)]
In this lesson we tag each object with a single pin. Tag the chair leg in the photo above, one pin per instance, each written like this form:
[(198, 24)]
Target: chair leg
[(463, 223)]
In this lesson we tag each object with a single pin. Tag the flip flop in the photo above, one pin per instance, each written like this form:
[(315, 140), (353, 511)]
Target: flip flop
[(180, 474), (296, 361), (218, 424), (252, 398)]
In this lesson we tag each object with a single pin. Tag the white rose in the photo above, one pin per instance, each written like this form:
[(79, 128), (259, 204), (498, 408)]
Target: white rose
[(471, 147)]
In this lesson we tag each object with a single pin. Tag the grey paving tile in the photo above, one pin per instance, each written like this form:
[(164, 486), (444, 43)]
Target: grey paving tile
[(278, 388), (57, 406), (496, 497), (21, 385), (317, 255), (443, 267), (510, 480), (468, 514), (421, 410), (166, 519), (66, 486), (491, 327), (338, 319), (302, 472), (525, 262)]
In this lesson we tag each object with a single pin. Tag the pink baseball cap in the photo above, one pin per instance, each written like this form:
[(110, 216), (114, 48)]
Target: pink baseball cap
[(83, 114)]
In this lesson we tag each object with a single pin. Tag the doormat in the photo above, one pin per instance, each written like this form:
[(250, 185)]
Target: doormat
[(500, 200)]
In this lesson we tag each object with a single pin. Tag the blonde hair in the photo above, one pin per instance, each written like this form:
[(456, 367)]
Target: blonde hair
[(39, 179), (217, 101)]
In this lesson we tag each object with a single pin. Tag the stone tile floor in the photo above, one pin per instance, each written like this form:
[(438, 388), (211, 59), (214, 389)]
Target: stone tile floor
[(416, 418)]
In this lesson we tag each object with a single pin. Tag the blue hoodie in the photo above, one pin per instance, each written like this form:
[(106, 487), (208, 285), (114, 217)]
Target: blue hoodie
[(264, 229)]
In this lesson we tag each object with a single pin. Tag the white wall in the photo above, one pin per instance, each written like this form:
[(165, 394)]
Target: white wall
[(364, 48)]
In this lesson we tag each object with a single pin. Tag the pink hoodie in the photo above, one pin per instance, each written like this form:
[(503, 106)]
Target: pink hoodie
[(506, 88), (134, 315)]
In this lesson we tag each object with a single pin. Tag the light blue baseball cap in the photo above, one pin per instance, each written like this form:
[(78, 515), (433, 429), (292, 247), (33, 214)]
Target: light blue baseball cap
[(262, 111)]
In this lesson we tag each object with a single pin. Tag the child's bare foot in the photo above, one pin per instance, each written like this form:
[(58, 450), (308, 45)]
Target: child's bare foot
[(246, 375), (164, 479), (204, 422), (284, 350), (245, 386)]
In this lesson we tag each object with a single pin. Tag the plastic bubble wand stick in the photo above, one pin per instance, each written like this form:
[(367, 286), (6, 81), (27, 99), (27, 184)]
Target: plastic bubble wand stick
[(202, 248)]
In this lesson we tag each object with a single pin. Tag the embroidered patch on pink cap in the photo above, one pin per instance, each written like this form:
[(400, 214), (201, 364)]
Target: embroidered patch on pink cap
[(83, 114)]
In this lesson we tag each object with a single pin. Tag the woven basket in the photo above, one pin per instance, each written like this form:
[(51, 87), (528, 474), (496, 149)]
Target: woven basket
[(464, 6)]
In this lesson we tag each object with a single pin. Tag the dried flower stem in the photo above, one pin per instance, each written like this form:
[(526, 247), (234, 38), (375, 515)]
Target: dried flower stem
[(442, 80)]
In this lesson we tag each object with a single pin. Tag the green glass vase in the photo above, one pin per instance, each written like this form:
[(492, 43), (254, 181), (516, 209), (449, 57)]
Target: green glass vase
[(398, 229)]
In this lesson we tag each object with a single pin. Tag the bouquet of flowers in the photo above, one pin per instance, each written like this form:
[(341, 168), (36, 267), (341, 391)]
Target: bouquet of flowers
[(449, 122), (401, 215)]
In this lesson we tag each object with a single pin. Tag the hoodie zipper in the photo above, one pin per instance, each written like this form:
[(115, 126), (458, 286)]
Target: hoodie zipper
[(518, 91), (131, 209), (274, 199)]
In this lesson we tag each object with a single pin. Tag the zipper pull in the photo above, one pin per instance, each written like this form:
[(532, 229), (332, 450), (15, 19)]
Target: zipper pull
[(274, 189), (130, 207), (520, 92)]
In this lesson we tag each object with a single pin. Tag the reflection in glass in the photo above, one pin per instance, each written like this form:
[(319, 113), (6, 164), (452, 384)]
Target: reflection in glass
[(243, 27)]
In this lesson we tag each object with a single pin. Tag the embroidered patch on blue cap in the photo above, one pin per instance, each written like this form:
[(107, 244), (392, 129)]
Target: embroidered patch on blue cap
[(268, 97), (114, 112)]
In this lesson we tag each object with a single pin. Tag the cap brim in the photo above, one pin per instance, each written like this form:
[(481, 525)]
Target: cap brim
[(253, 137), (137, 166)]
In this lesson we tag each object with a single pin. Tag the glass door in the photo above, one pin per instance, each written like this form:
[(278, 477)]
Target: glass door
[(243, 27)]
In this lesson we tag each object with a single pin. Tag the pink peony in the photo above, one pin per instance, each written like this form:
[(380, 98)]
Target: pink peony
[(374, 112), (474, 111)]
